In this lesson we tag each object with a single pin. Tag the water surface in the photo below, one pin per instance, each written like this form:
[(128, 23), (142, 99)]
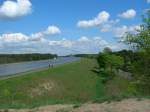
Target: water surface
[(15, 68)]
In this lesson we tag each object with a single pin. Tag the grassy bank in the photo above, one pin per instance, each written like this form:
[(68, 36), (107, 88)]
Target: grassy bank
[(72, 83), (69, 83)]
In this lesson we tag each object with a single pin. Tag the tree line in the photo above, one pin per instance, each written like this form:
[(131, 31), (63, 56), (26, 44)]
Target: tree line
[(12, 58), (135, 61)]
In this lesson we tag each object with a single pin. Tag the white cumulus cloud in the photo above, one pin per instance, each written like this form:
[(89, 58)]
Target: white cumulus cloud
[(15, 37), (83, 44), (148, 1), (121, 31), (100, 19), (39, 36), (20, 43), (15, 9), (83, 39), (129, 14), (61, 43), (51, 30)]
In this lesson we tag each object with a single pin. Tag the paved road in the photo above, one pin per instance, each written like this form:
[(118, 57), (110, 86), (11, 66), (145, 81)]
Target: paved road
[(15, 68)]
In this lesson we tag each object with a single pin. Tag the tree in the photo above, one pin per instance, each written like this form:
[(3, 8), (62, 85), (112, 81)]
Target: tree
[(141, 40), (107, 50), (101, 61), (128, 57), (108, 65), (113, 62), (141, 43)]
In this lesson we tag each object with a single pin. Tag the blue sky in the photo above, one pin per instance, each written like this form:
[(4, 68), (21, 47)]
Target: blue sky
[(67, 26)]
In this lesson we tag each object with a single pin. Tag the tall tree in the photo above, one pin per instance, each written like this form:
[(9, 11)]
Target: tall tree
[(140, 41)]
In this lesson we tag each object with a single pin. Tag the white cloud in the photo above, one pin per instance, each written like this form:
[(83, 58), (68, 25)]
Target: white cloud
[(20, 43), (40, 36), (15, 37), (62, 43), (67, 43), (34, 43), (129, 14), (38, 43), (83, 39), (148, 1), (83, 45), (106, 28), (37, 36), (15, 9), (52, 30), (100, 19), (100, 41), (121, 31)]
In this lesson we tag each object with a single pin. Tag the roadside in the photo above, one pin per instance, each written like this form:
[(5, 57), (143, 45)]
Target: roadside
[(66, 84), (34, 70), (16, 68), (128, 105), (23, 73), (69, 84)]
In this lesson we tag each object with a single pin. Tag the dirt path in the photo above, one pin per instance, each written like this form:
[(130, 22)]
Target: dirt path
[(128, 105)]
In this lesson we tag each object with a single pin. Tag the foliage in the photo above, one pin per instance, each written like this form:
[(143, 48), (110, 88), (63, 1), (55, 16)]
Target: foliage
[(128, 57), (141, 40), (86, 55), (109, 61), (101, 61), (113, 61), (107, 50), (141, 43), (72, 83), (106, 76), (109, 64), (11, 58)]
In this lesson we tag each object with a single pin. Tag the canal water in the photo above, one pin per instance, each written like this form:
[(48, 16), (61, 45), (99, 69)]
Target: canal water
[(15, 68)]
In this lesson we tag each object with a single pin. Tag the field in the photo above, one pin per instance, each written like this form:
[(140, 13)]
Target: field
[(72, 83)]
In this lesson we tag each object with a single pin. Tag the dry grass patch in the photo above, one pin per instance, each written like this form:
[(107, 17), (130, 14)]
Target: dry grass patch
[(42, 88), (128, 105)]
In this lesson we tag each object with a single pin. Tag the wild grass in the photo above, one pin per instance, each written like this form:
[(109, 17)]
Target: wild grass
[(73, 83), (69, 83)]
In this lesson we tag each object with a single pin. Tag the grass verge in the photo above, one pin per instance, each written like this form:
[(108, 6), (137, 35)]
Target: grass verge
[(70, 83)]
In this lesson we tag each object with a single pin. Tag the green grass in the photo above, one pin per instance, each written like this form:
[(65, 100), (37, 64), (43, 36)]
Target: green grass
[(72, 83), (120, 87), (69, 83)]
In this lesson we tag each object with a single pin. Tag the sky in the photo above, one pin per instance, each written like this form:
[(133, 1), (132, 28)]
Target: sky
[(67, 26)]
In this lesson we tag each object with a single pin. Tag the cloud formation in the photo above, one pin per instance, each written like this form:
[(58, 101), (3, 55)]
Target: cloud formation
[(21, 43), (15, 37), (129, 14), (122, 30), (40, 36), (15, 9), (148, 1), (107, 27), (105, 24), (100, 19), (84, 45), (51, 30)]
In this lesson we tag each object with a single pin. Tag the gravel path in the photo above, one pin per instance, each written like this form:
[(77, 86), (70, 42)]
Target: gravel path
[(128, 105)]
